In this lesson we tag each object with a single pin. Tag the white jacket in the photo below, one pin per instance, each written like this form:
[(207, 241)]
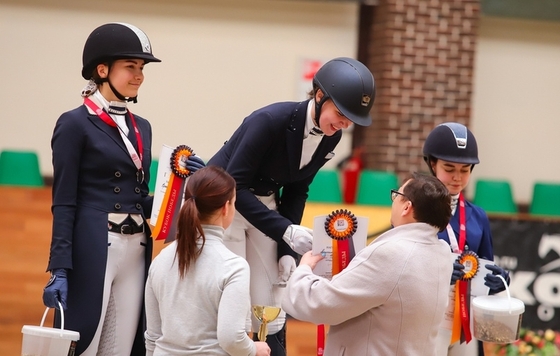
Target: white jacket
[(390, 299)]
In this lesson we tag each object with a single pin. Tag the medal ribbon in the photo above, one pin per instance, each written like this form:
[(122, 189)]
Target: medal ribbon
[(461, 319), (169, 208), (166, 224), (342, 253), (136, 158)]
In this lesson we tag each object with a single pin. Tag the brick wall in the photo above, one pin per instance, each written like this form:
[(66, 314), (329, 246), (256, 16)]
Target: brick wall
[(421, 53)]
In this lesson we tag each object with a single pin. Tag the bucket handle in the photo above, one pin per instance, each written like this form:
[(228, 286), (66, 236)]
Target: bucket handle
[(507, 291), (61, 316)]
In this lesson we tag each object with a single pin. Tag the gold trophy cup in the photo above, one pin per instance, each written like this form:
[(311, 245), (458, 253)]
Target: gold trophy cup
[(265, 314)]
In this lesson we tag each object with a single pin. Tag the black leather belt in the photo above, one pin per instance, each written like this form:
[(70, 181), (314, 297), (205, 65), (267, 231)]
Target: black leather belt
[(126, 229)]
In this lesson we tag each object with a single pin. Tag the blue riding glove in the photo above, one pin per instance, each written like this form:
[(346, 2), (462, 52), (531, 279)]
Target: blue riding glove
[(457, 272), (56, 289), (194, 163), (494, 282)]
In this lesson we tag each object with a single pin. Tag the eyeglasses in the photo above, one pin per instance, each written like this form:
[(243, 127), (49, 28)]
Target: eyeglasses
[(395, 193)]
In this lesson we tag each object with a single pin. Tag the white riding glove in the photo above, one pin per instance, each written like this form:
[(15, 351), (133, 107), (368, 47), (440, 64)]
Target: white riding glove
[(286, 266), (299, 238)]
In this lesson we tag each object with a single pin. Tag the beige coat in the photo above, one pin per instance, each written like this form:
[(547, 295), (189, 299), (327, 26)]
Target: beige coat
[(390, 300)]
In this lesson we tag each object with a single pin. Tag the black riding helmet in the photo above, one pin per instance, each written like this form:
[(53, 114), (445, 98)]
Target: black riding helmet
[(451, 142), (351, 87), (113, 41)]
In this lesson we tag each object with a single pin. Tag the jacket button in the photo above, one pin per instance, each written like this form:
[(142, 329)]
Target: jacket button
[(138, 206), (118, 174), (117, 190), (251, 189), (117, 206), (137, 190)]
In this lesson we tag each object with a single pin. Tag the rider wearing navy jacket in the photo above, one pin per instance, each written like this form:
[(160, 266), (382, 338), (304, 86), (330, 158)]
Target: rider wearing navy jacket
[(451, 152), (273, 157), (101, 246)]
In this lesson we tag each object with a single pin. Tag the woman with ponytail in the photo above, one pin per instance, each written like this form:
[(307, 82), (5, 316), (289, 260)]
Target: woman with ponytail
[(197, 293)]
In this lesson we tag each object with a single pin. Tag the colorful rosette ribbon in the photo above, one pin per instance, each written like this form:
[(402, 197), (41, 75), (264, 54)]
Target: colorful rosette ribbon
[(171, 205), (340, 225), (461, 316)]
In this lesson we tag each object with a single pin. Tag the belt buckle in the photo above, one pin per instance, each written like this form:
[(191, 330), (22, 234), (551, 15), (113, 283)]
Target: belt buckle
[(125, 226)]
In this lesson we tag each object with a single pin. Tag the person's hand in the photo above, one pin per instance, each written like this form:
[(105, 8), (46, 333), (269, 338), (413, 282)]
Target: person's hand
[(494, 282), (262, 348), (194, 163), (286, 266), (458, 272), (56, 289), (310, 259), (299, 238)]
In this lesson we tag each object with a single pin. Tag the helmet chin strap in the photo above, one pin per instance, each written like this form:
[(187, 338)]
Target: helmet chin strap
[(115, 91), (120, 96), (318, 106)]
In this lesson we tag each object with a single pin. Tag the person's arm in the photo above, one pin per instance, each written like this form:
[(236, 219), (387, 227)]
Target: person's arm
[(233, 310), (486, 248), (146, 132), (66, 143), (261, 134), (486, 251), (365, 283), (294, 197)]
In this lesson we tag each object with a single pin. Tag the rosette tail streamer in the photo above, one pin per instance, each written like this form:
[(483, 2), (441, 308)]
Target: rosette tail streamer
[(340, 225), (166, 225), (461, 317)]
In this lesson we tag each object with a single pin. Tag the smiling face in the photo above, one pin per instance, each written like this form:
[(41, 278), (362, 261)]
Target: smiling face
[(455, 176), (331, 120), (126, 75)]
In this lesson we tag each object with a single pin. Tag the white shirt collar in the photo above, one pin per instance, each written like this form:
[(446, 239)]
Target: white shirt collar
[(105, 103), (309, 124)]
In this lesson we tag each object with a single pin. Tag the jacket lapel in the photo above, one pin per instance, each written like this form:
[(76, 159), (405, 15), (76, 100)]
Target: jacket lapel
[(112, 132), (294, 137)]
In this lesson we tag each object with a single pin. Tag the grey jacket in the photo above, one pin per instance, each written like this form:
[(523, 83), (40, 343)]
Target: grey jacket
[(390, 300)]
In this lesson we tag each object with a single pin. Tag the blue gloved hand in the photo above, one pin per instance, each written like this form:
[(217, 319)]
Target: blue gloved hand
[(56, 289), (494, 282), (457, 272), (194, 163)]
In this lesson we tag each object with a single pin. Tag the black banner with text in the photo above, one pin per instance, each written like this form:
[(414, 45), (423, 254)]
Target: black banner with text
[(530, 250)]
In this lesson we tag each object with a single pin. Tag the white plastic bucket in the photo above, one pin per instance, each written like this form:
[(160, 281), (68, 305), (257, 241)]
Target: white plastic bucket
[(497, 318), (45, 341)]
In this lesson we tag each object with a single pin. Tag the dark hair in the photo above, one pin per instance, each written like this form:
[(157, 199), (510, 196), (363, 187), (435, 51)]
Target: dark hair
[(207, 190), (430, 199)]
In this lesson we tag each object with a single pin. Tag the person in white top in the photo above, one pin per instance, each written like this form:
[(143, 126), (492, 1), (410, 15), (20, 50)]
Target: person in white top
[(391, 298), (197, 293)]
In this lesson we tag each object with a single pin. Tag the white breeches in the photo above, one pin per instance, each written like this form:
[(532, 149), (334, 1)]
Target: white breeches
[(260, 251), (123, 293)]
